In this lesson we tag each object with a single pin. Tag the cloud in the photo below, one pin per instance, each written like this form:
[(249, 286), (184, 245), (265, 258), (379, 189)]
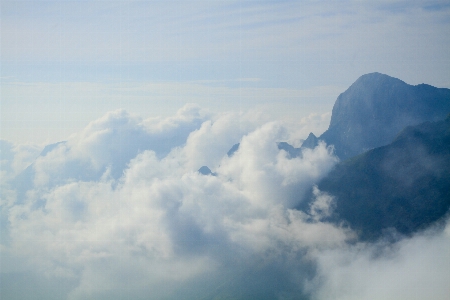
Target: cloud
[(204, 30), (322, 206), (109, 143), (160, 229), (413, 268), (15, 158)]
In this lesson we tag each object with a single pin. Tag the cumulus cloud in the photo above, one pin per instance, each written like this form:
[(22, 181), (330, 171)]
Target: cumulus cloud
[(119, 210), (109, 143), (15, 158)]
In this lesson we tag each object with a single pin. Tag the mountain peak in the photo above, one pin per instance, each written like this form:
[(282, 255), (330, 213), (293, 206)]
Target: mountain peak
[(375, 76), (204, 170), (376, 107), (311, 141)]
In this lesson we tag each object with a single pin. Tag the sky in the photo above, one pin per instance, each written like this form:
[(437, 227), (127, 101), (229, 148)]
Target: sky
[(108, 109), (66, 63)]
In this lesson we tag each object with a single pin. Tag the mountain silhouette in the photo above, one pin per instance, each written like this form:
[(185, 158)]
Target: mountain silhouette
[(204, 170), (403, 186), (374, 109)]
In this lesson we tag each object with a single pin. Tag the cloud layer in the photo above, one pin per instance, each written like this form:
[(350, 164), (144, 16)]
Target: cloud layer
[(119, 210)]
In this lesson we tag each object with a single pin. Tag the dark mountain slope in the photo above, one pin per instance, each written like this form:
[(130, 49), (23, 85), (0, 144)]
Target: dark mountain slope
[(311, 142), (372, 111), (233, 149), (291, 150), (404, 185), (204, 170)]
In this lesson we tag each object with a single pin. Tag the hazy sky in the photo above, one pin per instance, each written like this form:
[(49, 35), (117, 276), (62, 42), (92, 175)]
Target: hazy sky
[(145, 93), (66, 63)]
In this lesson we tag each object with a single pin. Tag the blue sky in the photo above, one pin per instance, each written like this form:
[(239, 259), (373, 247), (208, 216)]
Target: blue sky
[(66, 63)]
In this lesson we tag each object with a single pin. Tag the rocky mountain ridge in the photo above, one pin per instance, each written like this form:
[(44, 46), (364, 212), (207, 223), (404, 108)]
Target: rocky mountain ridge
[(376, 107)]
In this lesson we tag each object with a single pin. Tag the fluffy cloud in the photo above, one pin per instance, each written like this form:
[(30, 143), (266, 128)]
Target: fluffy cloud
[(413, 268), (119, 210), (15, 158), (110, 142)]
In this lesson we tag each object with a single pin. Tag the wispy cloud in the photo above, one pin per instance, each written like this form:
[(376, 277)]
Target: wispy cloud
[(141, 31)]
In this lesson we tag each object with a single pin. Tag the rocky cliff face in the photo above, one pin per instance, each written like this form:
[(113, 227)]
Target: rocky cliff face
[(374, 109)]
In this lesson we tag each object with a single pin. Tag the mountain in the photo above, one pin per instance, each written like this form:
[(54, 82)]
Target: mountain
[(233, 149), (204, 170), (373, 110), (404, 185), (311, 142), (291, 150)]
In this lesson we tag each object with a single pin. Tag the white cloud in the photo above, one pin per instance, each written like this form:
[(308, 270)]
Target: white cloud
[(160, 229), (413, 268), (15, 158), (110, 142), (322, 206)]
